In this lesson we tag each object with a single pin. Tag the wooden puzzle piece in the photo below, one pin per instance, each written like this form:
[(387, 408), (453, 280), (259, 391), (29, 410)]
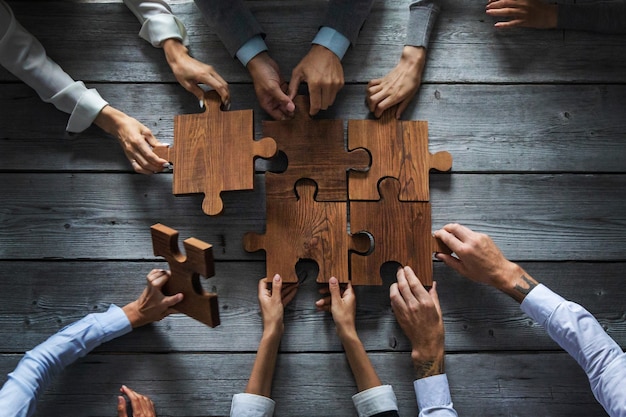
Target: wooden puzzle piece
[(186, 270), (316, 150), (399, 149), (213, 152), (299, 227), (401, 232)]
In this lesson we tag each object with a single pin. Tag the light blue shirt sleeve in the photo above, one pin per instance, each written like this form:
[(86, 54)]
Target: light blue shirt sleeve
[(375, 400), (250, 49), (333, 40), (251, 405), (580, 335), (433, 397), (18, 396)]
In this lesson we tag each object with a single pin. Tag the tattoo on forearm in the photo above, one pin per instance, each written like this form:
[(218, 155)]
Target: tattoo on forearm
[(522, 292), (428, 368)]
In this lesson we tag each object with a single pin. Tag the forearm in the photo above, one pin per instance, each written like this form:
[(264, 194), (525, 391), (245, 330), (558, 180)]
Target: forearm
[(362, 369), (260, 382)]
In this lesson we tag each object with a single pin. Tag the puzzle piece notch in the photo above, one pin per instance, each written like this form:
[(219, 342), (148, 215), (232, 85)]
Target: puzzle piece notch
[(185, 273), (214, 151), (401, 232), (315, 149), (399, 149), (299, 227)]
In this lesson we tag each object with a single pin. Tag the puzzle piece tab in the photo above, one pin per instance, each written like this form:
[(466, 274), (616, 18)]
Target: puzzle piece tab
[(213, 152), (401, 232), (316, 150), (299, 227), (399, 150), (186, 271)]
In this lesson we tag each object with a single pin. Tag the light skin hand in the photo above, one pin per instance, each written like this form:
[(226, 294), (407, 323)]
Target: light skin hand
[(399, 85), (479, 259), (270, 87), (419, 315), (523, 13), (152, 305), (142, 406), (136, 140), (321, 69), (342, 306), (190, 72)]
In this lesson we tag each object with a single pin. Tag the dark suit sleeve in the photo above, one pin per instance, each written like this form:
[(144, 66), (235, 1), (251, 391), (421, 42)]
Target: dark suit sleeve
[(231, 20), (347, 16), (600, 16)]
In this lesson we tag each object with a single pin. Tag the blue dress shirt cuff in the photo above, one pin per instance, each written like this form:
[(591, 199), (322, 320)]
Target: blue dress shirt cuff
[(333, 40), (250, 49), (540, 303), (375, 400), (433, 393), (251, 405)]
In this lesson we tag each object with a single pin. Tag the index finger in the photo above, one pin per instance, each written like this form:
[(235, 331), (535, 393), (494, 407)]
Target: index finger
[(417, 288), (315, 96)]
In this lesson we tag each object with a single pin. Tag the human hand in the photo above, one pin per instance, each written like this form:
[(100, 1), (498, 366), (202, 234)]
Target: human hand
[(270, 87), (341, 304), (142, 406), (152, 305), (399, 85), (321, 69), (136, 140), (479, 259), (190, 72), (419, 315), (273, 301), (523, 13)]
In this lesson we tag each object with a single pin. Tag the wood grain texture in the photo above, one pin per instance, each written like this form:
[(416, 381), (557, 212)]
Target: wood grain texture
[(399, 149), (315, 149), (186, 269)]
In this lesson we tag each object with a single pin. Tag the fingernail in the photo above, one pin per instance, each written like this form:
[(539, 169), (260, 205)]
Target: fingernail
[(167, 165), (276, 278), (227, 105), (201, 102)]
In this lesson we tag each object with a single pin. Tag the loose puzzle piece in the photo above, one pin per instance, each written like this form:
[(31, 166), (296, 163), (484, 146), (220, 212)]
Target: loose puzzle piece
[(316, 150), (401, 233), (213, 152), (186, 271), (298, 227), (399, 149)]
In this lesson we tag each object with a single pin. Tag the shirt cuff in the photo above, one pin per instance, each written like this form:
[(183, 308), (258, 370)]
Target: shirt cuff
[(160, 27), (251, 405), (87, 108), (114, 322), (250, 49), (333, 40), (432, 391), (375, 400), (540, 303)]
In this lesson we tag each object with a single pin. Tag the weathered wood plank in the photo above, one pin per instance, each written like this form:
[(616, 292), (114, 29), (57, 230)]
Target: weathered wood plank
[(112, 51), (503, 128), (203, 384), (107, 216), (39, 298)]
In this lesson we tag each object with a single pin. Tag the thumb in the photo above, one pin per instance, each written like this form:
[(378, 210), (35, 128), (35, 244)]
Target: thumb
[(121, 407), (277, 286), (335, 292), (172, 300)]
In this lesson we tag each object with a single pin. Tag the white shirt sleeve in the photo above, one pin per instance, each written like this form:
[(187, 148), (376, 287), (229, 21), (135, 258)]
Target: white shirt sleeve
[(580, 334), (375, 400), (157, 21), (18, 396), (433, 397), (24, 56), (251, 405)]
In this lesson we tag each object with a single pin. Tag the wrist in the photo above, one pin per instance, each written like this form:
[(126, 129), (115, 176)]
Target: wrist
[(414, 57), (132, 313), (347, 334), (518, 283), (174, 49), (426, 366), (273, 330), (109, 119)]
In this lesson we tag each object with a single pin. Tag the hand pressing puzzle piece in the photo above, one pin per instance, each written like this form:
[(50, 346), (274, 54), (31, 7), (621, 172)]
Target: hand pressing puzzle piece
[(399, 149), (316, 150), (213, 152), (401, 233), (299, 227), (186, 271)]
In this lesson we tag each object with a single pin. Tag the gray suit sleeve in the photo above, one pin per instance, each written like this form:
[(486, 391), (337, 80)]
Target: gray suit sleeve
[(422, 17), (231, 20), (347, 16), (602, 16)]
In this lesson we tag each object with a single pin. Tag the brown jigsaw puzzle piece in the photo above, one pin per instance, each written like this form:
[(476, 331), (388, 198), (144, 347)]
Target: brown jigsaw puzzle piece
[(299, 227), (213, 152), (316, 150), (186, 271), (401, 232), (399, 149)]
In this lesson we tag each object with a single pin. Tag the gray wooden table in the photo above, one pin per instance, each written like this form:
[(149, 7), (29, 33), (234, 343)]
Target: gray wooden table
[(535, 122)]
